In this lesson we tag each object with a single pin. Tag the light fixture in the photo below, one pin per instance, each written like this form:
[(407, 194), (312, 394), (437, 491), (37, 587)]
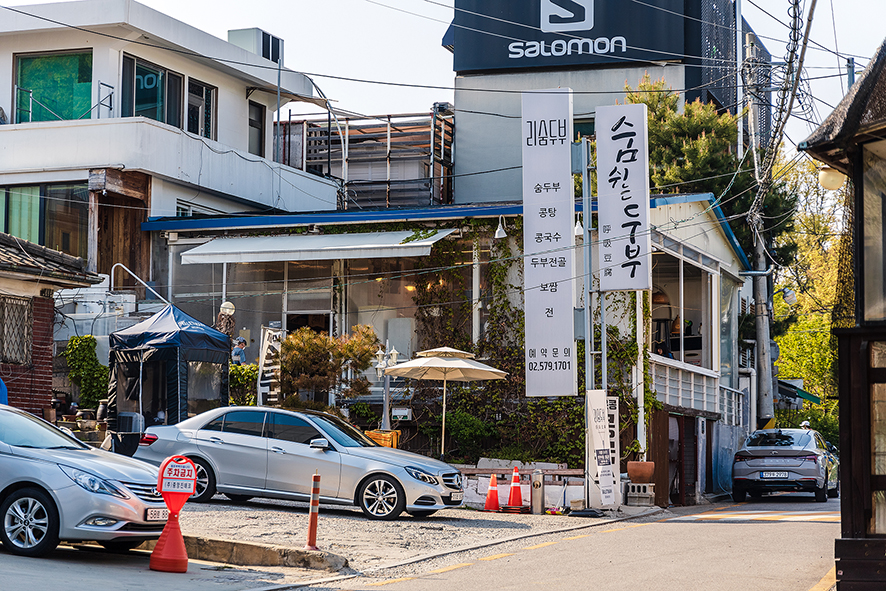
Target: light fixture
[(500, 232), (227, 309), (380, 355), (394, 354), (579, 231), (831, 178), (789, 296)]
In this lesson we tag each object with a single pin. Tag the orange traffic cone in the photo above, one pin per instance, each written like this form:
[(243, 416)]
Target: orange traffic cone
[(170, 554), (492, 494), (516, 497)]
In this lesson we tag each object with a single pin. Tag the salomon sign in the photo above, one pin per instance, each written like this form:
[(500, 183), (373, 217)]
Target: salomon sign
[(506, 34)]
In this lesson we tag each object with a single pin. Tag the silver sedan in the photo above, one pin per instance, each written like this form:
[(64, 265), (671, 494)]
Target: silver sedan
[(53, 488), (249, 451), (785, 460)]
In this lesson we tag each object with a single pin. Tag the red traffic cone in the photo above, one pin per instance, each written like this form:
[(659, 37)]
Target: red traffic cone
[(492, 494), (170, 555), (516, 497)]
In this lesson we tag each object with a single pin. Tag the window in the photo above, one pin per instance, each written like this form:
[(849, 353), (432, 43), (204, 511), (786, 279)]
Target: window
[(256, 129), (245, 422), (151, 91), (15, 330), (289, 428), (583, 128), (55, 216), (53, 87), (201, 101)]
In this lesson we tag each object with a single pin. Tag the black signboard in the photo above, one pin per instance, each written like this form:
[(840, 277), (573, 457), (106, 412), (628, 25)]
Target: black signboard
[(507, 34)]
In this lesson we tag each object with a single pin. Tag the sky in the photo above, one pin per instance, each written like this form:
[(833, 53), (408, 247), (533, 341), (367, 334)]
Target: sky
[(399, 41)]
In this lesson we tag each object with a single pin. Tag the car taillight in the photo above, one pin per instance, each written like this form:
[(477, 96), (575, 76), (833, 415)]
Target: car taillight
[(739, 458), (147, 439), (811, 458)]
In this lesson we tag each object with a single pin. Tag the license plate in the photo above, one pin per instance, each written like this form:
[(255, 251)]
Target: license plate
[(773, 475), (156, 514), (459, 496)]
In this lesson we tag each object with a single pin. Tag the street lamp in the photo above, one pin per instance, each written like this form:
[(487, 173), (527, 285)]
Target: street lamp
[(386, 359)]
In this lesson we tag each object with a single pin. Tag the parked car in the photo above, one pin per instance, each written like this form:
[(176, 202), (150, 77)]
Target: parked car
[(53, 488), (250, 451), (786, 460)]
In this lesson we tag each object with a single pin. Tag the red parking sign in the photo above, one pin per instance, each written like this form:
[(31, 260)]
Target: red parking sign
[(176, 482)]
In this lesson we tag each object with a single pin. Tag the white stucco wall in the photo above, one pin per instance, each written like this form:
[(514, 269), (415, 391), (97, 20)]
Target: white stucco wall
[(488, 123)]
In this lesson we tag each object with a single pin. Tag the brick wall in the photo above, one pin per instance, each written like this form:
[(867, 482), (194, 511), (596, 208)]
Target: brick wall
[(30, 386)]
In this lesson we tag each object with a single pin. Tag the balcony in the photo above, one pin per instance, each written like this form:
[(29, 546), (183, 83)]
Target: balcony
[(67, 150), (683, 385)]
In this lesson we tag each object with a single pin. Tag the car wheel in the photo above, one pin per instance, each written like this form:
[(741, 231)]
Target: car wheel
[(30, 523), (738, 494), (238, 498), (821, 494), (381, 497), (421, 514), (205, 485), (121, 545)]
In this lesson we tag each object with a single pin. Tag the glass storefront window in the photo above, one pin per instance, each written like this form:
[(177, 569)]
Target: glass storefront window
[(67, 212), (149, 84), (53, 87), (874, 238)]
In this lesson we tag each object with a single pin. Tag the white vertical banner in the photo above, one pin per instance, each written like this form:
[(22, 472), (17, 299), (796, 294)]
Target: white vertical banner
[(548, 243), (625, 259), (598, 431)]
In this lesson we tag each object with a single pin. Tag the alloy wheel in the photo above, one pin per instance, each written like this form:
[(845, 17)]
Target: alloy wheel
[(26, 523), (382, 498)]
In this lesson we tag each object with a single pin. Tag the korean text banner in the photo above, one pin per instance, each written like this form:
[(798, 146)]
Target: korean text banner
[(623, 198), (548, 243)]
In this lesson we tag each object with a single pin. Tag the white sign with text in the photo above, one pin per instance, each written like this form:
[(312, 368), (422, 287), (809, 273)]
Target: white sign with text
[(598, 431), (625, 259), (548, 243)]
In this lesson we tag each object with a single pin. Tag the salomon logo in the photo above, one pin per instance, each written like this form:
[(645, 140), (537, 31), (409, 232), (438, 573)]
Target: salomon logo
[(558, 16)]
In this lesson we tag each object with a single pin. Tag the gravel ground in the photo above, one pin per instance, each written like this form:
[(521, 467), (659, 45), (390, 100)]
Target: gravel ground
[(367, 544)]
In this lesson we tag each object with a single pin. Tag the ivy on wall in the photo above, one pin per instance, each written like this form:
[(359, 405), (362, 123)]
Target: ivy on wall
[(85, 371)]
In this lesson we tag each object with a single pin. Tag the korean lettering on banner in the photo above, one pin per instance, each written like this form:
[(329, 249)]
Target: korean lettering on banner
[(613, 438), (548, 243), (598, 425), (625, 258)]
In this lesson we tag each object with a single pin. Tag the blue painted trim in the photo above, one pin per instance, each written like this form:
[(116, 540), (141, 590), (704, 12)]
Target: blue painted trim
[(379, 216)]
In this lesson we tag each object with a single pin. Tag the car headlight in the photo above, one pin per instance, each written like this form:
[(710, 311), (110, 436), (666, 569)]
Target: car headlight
[(420, 474), (92, 483)]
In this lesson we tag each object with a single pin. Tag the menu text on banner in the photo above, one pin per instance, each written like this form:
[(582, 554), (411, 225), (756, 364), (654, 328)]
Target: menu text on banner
[(548, 243)]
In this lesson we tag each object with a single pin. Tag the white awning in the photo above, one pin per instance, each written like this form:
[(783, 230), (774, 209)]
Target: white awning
[(323, 247)]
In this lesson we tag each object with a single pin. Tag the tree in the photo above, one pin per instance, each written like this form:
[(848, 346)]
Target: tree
[(807, 349), (314, 363), (692, 152)]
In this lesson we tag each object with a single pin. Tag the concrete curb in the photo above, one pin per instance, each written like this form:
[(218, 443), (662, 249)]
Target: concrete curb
[(243, 554)]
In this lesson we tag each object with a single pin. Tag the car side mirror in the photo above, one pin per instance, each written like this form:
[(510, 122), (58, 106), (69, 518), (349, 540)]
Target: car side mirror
[(319, 444)]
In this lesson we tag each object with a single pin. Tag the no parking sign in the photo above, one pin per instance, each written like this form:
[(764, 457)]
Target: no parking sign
[(176, 482)]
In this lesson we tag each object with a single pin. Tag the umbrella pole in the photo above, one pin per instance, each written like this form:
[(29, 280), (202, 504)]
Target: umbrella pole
[(443, 434)]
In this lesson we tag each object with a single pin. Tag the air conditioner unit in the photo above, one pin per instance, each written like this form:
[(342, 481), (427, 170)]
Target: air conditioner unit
[(258, 42)]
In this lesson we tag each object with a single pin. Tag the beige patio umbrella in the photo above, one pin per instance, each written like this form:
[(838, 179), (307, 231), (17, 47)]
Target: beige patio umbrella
[(449, 365)]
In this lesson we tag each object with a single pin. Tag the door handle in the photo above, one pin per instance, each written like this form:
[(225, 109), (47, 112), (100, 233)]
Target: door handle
[(216, 440), (278, 450)]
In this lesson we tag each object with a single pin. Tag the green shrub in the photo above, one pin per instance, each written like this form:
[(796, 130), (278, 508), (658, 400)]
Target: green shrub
[(85, 370), (243, 384)]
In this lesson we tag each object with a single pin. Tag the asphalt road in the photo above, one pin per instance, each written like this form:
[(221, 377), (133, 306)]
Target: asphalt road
[(781, 543)]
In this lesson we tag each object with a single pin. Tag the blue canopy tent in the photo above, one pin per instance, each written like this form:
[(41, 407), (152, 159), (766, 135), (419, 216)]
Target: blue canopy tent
[(164, 369)]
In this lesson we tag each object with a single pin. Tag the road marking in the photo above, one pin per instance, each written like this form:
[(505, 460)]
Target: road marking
[(496, 556), (821, 516), (827, 582), (578, 537), (449, 568), (537, 546), (606, 531), (379, 584)]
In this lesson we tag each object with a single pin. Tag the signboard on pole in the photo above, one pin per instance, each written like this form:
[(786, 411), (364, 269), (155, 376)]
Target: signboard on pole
[(598, 431), (614, 430), (548, 243), (625, 248)]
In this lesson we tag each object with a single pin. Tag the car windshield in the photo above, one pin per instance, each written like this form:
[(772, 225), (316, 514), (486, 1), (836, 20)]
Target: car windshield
[(23, 430), (343, 433), (777, 439)]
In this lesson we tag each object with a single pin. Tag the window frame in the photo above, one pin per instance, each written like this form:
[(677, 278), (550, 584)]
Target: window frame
[(128, 90), (213, 115), (261, 127), (43, 213), (26, 329), (16, 66)]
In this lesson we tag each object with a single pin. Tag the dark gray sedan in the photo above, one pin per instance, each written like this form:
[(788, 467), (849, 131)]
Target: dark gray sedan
[(250, 451), (785, 460)]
